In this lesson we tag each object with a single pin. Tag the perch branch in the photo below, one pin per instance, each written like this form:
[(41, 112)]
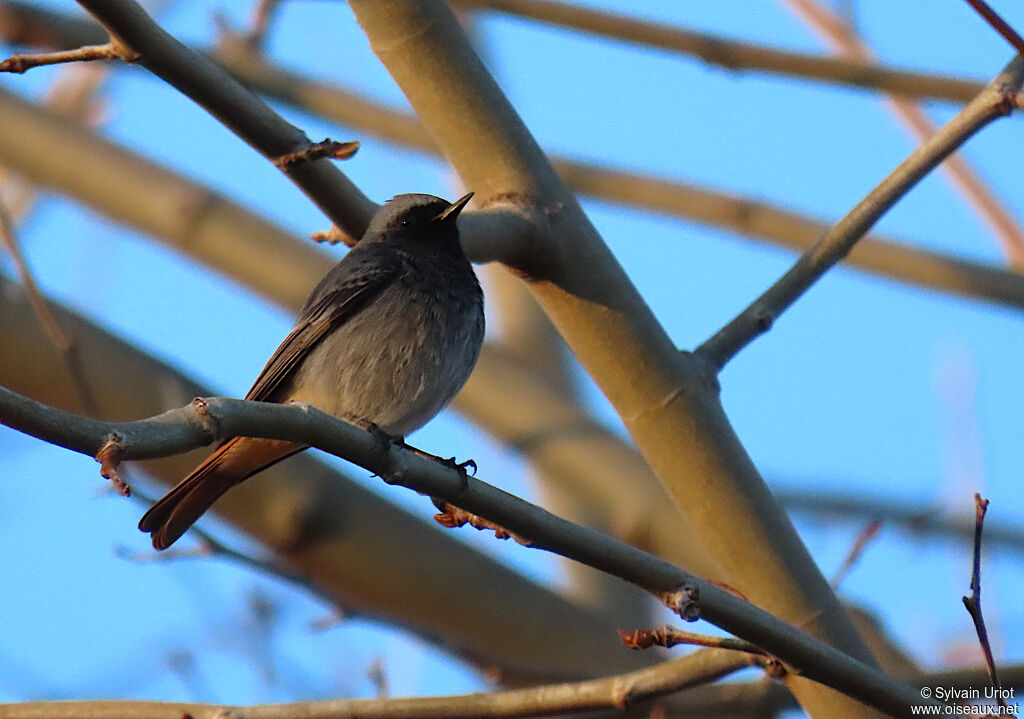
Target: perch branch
[(205, 421)]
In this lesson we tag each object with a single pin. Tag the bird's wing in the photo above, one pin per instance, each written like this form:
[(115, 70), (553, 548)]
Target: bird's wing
[(328, 308)]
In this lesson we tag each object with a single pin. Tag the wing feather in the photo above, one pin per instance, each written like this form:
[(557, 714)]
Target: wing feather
[(327, 308)]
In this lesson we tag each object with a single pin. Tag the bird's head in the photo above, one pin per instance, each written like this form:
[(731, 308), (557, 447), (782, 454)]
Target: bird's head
[(416, 218)]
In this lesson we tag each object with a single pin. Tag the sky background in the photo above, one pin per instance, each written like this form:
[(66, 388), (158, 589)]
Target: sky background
[(865, 386)]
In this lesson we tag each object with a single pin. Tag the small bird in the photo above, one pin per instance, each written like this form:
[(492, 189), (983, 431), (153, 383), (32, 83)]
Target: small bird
[(385, 341)]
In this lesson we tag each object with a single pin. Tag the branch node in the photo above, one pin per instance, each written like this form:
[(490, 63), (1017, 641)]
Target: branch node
[(685, 602), (210, 424), (316, 150), (109, 457)]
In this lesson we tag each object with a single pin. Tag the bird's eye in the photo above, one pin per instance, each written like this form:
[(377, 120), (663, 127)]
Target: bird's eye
[(405, 223)]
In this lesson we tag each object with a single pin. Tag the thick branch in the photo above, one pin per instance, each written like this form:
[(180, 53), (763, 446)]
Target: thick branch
[(668, 400), (208, 420), (734, 55), (994, 102)]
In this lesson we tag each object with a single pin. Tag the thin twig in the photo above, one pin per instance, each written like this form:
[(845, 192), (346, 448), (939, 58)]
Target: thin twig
[(20, 62), (60, 340), (1001, 26), (973, 602), (210, 546), (915, 519), (669, 636), (207, 420), (844, 40), (864, 538), (242, 112), (995, 101), (261, 17)]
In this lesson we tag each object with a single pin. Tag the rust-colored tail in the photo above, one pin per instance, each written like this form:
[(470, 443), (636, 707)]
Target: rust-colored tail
[(236, 460)]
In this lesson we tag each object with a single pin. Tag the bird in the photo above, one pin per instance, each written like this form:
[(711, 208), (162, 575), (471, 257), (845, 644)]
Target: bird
[(384, 341)]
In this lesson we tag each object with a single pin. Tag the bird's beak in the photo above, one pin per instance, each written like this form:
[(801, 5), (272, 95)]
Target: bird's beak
[(453, 210)]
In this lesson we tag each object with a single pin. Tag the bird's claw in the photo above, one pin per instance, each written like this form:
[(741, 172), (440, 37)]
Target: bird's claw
[(385, 439), (462, 466)]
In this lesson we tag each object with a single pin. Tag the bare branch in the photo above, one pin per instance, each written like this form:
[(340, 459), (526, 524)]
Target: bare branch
[(733, 55), (242, 112), (912, 518), (864, 538), (60, 340), (21, 62), (994, 102), (1001, 26), (614, 692), (959, 172), (973, 602), (668, 637), (207, 420)]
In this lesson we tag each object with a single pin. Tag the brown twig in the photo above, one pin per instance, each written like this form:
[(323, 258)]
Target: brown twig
[(20, 62), (669, 636), (864, 538), (1001, 26), (316, 150), (973, 602), (994, 102), (209, 546), (60, 340)]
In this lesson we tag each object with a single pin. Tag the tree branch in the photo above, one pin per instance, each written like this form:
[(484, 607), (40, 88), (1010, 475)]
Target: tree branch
[(21, 62), (994, 102), (326, 527), (733, 55), (746, 216), (978, 195), (241, 111), (207, 420), (998, 24), (668, 400), (615, 692), (973, 602)]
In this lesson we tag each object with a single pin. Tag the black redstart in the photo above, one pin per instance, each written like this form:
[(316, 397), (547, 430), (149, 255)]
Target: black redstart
[(387, 338)]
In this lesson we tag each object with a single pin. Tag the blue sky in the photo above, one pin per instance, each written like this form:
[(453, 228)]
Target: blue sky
[(849, 391)]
